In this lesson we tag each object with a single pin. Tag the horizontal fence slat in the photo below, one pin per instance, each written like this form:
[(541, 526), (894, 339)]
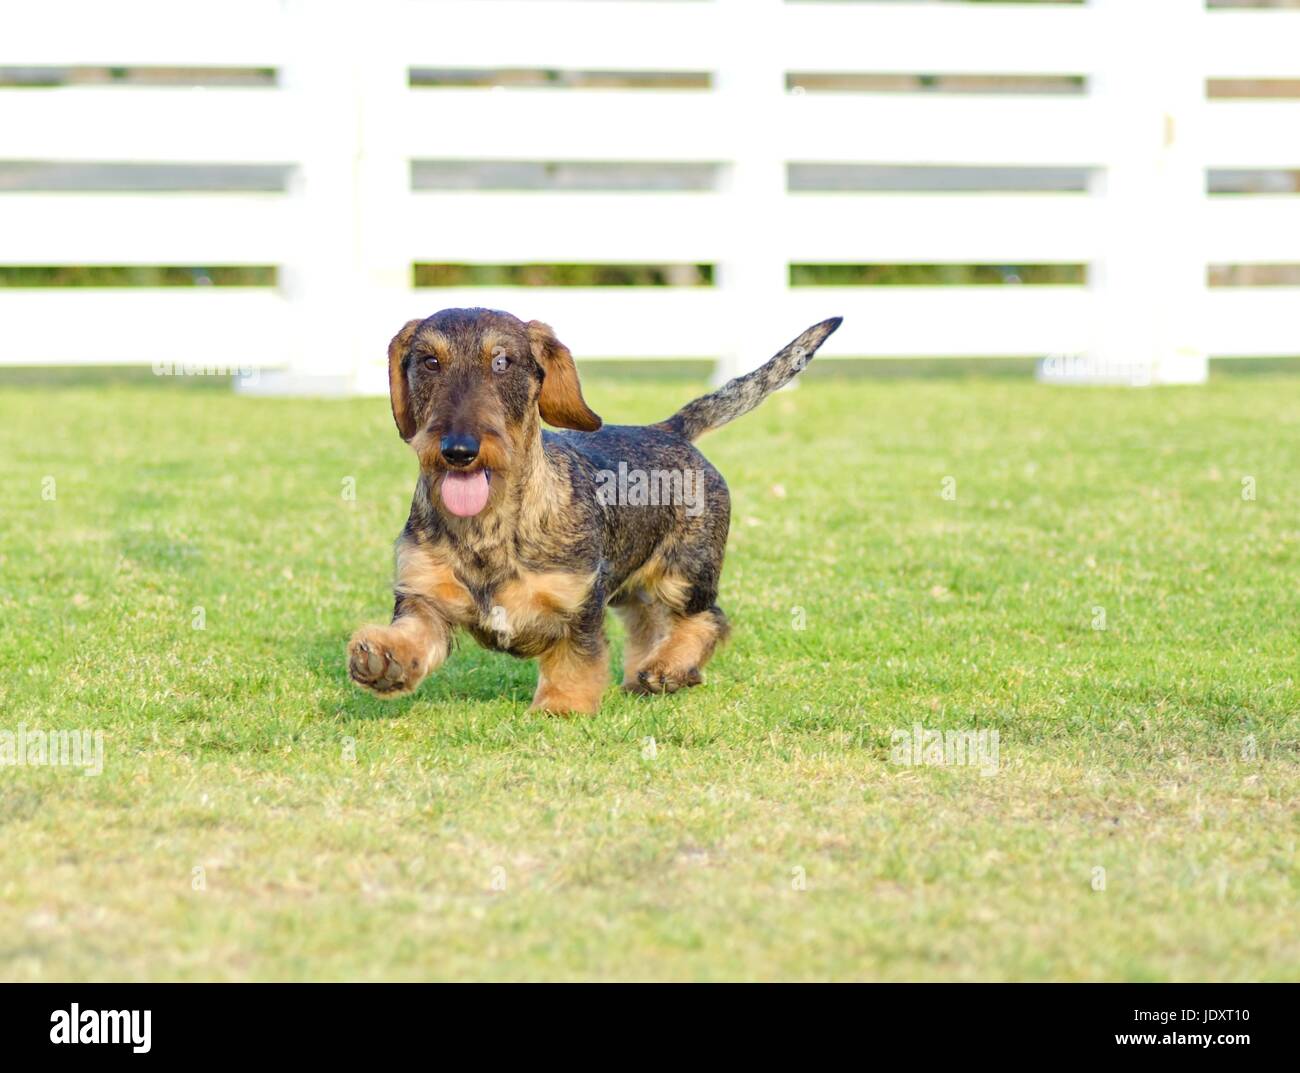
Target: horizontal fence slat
[(147, 33), (923, 39), (686, 37), (144, 229), (682, 36), (539, 124), (879, 321), (1253, 322), (944, 228), (812, 228), (603, 322), (1257, 228), (528, 34), (128, 123), (950, 321), (1251, 44), (564, 227), (1252, 134), (908, 129), (130, 326)]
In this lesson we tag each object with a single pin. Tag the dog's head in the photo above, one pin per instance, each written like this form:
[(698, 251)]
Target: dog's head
[(467, 386)]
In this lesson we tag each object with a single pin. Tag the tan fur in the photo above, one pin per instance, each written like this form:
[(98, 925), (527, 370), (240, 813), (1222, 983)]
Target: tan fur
[(571, 681), (393, 660), (646, 624), (536, 598), (532, 603), (398, 395), (677, 659), (561, 402), (654, 580), (490, 341), (424, 572)]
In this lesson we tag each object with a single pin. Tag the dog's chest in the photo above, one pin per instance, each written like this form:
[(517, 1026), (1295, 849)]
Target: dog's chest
[(504, 605), (527, 612)]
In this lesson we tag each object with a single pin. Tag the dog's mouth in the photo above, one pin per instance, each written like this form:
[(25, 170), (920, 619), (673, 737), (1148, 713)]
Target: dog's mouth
[(465, 493)]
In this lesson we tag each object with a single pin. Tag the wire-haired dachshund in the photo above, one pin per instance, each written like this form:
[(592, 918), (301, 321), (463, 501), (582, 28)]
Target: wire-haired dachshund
[(523, 536)]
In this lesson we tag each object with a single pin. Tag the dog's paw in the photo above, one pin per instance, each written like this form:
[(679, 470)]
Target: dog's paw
[(555, 702), (385, 661), (660, 678)]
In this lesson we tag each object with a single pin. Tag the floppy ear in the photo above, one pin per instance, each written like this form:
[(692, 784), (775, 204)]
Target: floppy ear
[(398, 394), (560, 402)]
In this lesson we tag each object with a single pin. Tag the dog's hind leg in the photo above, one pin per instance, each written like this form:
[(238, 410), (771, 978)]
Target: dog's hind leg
[(681, 625), (676, 660), (646, 623)]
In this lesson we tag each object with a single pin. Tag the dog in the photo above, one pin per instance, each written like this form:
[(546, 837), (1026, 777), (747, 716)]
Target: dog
[(518, 535)]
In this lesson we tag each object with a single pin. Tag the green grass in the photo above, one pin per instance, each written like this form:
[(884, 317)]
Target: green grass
[(1162, 749)]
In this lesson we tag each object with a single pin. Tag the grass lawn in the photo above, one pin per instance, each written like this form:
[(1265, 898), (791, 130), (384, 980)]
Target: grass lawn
[(769, 832)]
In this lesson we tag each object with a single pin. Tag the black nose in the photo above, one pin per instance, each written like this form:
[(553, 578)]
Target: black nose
[(459, 450)]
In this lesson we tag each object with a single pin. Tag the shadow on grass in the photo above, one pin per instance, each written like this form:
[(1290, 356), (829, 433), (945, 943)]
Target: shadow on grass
[(470, 675)]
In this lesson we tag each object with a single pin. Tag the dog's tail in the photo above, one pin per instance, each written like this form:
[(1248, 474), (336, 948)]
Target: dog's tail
[(739, 396)]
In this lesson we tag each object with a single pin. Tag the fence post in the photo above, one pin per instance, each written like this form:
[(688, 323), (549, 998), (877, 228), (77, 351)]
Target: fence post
[(385, 297), (1149, 277), (752, 276), (344, 275)]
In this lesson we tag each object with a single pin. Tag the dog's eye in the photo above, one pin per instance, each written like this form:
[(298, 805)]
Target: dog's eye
[(500, 363), (431, 363)]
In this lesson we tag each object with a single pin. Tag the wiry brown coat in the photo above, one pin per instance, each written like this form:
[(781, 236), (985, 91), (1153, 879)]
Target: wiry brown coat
[(532, 573)]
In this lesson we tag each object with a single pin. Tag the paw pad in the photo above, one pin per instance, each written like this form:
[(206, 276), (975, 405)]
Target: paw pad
[(374, 667)]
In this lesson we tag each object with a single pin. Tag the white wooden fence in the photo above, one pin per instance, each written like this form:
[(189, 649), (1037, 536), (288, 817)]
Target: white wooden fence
[(349, 228)]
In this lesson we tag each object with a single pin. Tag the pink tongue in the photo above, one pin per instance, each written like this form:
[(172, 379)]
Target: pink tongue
[(465, 494)]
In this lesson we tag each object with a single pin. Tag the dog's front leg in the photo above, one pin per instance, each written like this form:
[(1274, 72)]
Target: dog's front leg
[(572, 675), (392, 660)]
